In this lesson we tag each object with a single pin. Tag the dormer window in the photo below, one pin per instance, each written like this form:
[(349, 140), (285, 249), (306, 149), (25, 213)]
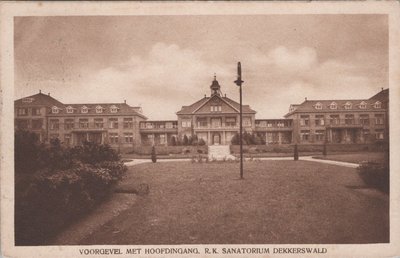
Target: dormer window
[(113, 109), (363, 105), (70, 110), (99, 109), (84, 109), (54, 110), (318, 106), (378, 104), (333, 105), (347, 105)]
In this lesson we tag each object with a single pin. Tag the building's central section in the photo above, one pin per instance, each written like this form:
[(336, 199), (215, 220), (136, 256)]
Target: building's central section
[(212, 120)]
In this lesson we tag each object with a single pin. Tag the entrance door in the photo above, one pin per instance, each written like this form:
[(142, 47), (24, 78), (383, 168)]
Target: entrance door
[(216, 139)]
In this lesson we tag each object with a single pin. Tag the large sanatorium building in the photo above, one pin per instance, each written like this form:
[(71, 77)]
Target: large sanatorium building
[(214, 118)]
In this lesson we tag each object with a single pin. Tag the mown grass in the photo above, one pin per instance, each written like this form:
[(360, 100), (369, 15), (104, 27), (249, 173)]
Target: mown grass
[(277, 202), (356, 157)]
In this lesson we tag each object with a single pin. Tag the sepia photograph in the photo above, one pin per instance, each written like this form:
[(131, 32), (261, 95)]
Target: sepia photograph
[(166, 132)]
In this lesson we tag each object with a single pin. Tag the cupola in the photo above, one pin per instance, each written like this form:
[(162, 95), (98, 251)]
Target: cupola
[(215, 87)]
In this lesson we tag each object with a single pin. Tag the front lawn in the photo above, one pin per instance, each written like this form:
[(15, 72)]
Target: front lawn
[(378, 157), (296, 202)]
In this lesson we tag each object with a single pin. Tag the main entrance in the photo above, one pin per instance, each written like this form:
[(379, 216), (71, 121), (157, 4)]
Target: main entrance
[(216, 139)]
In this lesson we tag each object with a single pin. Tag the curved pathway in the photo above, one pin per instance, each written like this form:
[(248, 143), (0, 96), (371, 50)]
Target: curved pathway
[(306, 158)]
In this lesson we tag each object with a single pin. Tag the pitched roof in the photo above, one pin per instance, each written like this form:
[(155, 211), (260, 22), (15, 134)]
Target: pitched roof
[(382, 96), (39, 99), (309, 105), (195, 106), (123, 108)]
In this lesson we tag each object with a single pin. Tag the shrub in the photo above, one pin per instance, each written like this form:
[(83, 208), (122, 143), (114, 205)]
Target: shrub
[(153, 154), (173, 141), (194, 140), (296, 153), (93, 153), (55, 185), (202, 142), (375, 175), (26, 152), (51, 200), (185, 140), (324, 151)]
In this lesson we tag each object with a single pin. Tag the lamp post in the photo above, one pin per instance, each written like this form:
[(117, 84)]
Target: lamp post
[(239, 83)]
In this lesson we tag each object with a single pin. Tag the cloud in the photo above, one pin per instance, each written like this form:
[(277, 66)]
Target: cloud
[(162, 80), (169, 76), (298, 60)]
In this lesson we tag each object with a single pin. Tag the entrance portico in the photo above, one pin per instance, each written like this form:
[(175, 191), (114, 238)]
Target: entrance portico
[(345, 135), (216, 138)]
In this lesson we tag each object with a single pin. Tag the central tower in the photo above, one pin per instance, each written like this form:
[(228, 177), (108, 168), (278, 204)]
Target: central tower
[(215, 87)]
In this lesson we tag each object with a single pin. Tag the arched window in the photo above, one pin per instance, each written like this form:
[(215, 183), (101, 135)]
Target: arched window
[(348, 105), (363, 105), (333, 105), (318, 105), (378, 104)]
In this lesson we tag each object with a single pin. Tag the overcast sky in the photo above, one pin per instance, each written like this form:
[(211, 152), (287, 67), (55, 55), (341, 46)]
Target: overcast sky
[(164, 62)]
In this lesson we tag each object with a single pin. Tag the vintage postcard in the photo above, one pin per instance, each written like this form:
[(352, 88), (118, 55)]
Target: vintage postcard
[(200, 129)]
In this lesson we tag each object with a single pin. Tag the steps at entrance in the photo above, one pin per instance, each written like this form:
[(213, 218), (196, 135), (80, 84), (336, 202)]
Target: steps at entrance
[(219, 152)]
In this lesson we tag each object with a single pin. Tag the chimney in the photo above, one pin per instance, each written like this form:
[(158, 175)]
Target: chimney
[(40, 91), (205, 96), (305, 98), (125, 101), (48, 93), (382, 88), (225, 95)]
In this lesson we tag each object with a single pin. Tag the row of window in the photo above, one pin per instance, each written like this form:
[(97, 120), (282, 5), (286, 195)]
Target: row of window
[(349, 119), (216, 108), (160, 139), (319, 135), (54, 124), (216, 122), (25, 111), (273, 124), (36, 124), (152, 125), (113, 138), (84, 109), (348, 105)]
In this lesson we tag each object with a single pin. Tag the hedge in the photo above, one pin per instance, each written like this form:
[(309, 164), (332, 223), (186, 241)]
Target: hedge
[(375, 175), (60, 186)]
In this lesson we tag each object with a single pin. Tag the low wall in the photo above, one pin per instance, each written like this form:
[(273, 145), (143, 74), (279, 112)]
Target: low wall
[(166, 150), (289, 148)]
